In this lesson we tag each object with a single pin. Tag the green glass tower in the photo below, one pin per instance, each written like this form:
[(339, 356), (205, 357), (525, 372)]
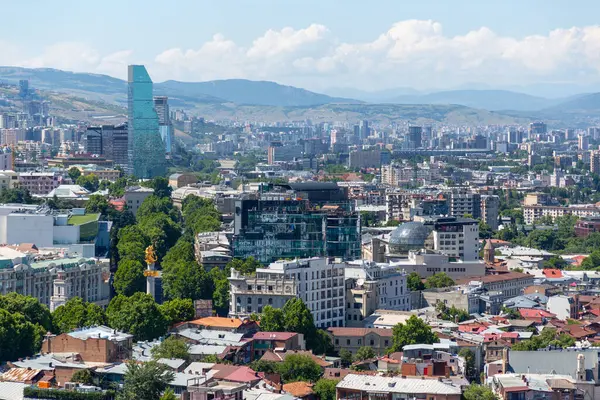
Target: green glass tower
[(146, 151)]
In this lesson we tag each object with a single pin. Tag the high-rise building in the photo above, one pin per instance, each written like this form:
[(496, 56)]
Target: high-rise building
[(146, 150), (161, 105), (537, 128), (23, 88), (312, 219), (363, 129), (595, 162), (415, 134), (583, 142), (109, 141)]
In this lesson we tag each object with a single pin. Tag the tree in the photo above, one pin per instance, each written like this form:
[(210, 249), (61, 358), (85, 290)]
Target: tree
[(178, 310), (132, 243), (325, 388), (161, 231), (414, 282), (169, 395), (478, 392), (76, 313), (138, 315), (453, 313), (161, 187), (29, 307), (221, 292), (129, 278), (18, 337), (264, 366), (97, 204), (171, 347), (298, 318), (186, 280), (271, 319), (16, 195), (556, 262), (246, 267), (511, 313), (299, 367), (365, 353), (346, 357), (469, 356), (83, 376), (156, 205), (322, 343), (438, 280), (548, 337), (74, 173), (145, 381), (414, 331), (485, 231), (89, 182)]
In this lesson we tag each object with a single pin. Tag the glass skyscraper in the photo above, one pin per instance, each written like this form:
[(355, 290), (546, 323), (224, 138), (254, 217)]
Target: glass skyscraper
[(146, 149)]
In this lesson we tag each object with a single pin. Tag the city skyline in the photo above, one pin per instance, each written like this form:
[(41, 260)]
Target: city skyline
[(430, 45)]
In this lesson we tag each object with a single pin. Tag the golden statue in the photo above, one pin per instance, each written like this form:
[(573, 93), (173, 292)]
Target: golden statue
[(150, 255)]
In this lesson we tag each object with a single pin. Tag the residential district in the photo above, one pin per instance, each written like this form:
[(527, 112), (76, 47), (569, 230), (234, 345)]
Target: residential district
[(173, 256)]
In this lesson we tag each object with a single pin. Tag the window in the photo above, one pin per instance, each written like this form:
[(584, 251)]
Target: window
[(249, 287), (260, 300), (270, 300), (348, 340), (249, 300), (372, 342), (259, 288)]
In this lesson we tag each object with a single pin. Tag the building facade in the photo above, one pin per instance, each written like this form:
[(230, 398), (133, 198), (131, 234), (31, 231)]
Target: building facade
[(146, 150), (317, 281)]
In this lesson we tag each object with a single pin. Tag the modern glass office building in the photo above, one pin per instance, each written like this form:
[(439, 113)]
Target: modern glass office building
[(146, 148), (300, 220)]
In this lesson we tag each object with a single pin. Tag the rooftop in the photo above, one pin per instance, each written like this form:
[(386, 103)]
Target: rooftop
[(397, 385), (102, 332), (83, 219)]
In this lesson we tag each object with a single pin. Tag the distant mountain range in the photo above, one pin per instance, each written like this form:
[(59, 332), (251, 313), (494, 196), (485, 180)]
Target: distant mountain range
[(239, 91), (270, 99)]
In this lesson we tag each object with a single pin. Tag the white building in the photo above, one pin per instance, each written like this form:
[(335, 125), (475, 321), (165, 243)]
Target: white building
[(319, 283), (457, 238), (392, 292), (53, 278), (427, 262)]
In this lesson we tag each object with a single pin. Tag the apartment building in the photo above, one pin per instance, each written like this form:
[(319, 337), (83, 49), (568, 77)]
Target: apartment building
[(40, 183), (532, 213), (490, 210), (353, 339), (456, 237), (135, 196), (317, 281), (509, 285), (371, 286)]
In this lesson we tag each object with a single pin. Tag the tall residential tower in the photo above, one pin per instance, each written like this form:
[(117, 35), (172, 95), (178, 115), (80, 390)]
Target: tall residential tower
[(146, 148)]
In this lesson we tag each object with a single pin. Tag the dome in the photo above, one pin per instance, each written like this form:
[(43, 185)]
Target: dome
[(408, 236)]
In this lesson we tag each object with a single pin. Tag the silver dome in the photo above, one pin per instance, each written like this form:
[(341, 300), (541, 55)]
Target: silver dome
[(408, 236)]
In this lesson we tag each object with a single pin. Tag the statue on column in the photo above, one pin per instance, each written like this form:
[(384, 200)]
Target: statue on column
[(150, 272)]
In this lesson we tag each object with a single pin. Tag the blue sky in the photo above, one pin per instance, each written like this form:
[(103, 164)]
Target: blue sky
[(368, 44)]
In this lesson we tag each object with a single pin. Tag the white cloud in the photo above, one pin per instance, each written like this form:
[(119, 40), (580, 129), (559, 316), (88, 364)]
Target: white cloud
[(410, 53)]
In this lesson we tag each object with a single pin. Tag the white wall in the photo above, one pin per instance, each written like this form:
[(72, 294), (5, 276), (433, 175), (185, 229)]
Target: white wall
[(27, 228)]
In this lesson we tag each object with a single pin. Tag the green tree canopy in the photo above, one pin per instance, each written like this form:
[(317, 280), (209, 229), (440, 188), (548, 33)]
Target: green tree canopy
[(89, 182), (97, 204), (548, 337), (414, 331), (129, 277), (451, 313), (438, 280), (138, 315), (414, 282), (299, 367), (469, 356), (186, 280), (132, 243), (325, 389), (478, 392), (171, 347), (145, 381), (272, 319), (18, 337), (29, 307), (76, 313), (74, 173), (246, 267), (16, 195), (365, 353), (556, 262), (178, 310), (264, 366), (161, 187), (83, 376), (298, 318), (221, 292), (346, 357)]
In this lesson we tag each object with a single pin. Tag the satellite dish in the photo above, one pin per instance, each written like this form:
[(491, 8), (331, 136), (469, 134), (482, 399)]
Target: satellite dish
[(360, 282)]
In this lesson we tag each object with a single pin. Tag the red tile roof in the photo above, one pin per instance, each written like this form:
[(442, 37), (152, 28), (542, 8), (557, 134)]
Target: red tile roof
[(528, 313), (298, 389), (552, 273), (277, 356)]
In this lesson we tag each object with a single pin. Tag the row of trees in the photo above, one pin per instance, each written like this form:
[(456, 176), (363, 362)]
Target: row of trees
[(437, 280)]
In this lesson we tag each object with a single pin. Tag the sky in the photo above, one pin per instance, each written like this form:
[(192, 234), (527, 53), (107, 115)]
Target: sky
[(317, 44)]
